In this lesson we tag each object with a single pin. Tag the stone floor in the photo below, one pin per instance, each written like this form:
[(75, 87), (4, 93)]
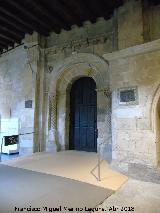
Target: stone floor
[(71, 164), (139, 194), (144, 173), (134, 196)]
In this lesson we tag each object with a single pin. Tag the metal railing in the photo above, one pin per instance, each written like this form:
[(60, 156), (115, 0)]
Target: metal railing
[(99, 161), (98, 165)]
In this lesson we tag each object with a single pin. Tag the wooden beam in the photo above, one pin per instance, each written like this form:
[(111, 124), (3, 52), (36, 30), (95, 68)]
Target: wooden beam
[(67, 7), (2, 46), (92, 7), (4, 43), (29, 14), (62, 13), (7, 37), (80, 9), (12, 23), (68, 14), (55, 22), (9, 30), (28, 26), (18, 19)]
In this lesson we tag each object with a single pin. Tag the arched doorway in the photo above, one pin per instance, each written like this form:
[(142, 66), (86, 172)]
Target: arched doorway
[(83, 115), (158, 132), (155, 123)]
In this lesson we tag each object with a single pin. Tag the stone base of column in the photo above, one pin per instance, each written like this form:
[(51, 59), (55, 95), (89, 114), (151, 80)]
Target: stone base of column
[(52, 144)]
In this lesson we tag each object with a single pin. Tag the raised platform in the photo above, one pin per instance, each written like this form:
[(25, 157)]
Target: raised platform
[(71, 164)]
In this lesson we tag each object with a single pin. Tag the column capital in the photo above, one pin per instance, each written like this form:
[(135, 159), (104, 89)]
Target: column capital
[(106, 90), (52, 94)]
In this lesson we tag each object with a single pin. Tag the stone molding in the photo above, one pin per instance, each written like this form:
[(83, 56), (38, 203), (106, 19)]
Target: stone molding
[(86, 64), (76, 45), (153, 109), (133, 51)]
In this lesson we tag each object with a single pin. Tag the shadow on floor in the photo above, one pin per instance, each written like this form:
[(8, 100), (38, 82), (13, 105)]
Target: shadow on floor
[(5, 157)]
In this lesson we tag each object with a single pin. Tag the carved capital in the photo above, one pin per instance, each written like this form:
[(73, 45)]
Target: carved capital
[(107, 92)]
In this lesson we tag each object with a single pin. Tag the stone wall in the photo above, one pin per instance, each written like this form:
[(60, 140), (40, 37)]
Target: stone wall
[(136, 66), (90, 38), (133, 137), (17, 87), (115, 54), (62, 77), (130, 24), (151, 20)]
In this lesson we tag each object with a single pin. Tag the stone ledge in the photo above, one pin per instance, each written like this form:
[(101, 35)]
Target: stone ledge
[(135, 50)]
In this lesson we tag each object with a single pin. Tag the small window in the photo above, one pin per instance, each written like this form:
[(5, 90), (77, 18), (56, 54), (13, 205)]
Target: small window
[(128, 96), (28, 104)]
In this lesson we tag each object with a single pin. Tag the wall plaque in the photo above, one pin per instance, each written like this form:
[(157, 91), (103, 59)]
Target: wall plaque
[(28, 104), (128, 96)]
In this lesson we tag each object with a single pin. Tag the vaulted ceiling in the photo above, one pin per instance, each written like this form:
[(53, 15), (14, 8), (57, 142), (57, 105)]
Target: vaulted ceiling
[(18, 17)]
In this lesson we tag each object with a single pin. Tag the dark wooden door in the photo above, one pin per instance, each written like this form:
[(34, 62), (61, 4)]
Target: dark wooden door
[(83, 115)]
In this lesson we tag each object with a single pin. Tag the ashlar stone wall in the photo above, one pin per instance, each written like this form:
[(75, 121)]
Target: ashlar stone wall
[(134, 136), (16, 87), (113, 52)]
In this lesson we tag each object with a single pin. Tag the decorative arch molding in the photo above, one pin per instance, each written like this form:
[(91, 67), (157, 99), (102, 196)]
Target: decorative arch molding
[(81, 64), (155, 121), (74, 67), (153, 110)]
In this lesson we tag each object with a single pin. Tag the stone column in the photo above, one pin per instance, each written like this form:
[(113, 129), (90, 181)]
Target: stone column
[(40, 108), (52, 140), (36, 60), (104, 123)]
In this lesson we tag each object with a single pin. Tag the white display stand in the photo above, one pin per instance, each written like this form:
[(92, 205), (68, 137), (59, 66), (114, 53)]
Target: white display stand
[(10, 149), (9, 127)]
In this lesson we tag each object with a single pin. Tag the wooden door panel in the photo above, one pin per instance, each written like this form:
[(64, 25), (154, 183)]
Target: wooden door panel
[(83, 115), (83, 121), (91, 120), (90, 139), (76, 138), (76, 116), (83, 138)]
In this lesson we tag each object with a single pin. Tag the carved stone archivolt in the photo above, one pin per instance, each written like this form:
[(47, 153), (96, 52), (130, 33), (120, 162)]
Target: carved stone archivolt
[(69, 70), (83, 64)]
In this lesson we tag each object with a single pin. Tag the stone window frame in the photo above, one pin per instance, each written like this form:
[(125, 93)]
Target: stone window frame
[(135, 88)]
